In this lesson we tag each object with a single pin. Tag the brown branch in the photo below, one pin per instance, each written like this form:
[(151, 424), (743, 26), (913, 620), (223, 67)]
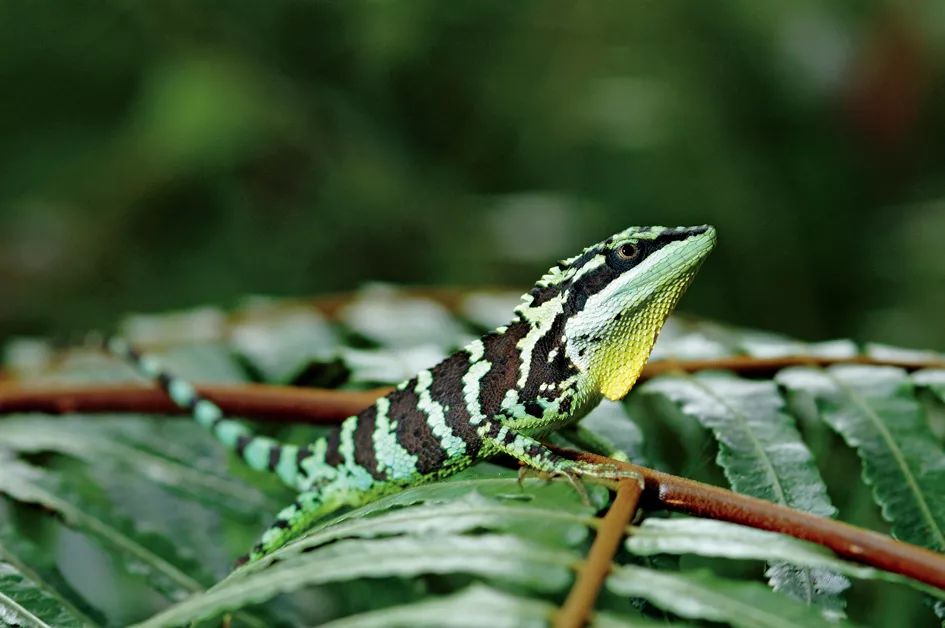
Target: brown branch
[(678, 494), (259, 401), (314, 405), (579, 604), (747, 365)]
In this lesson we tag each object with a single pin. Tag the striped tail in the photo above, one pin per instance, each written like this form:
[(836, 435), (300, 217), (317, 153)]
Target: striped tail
[(259, 452)]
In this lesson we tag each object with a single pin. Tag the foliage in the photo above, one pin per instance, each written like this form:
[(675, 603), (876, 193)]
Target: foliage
[(124, 519)]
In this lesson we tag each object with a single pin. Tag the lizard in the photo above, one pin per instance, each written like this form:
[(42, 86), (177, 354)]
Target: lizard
[(582, 333)]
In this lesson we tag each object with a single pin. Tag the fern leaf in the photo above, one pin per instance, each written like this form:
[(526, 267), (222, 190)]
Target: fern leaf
[(706, 596), (154, 557), (705, 537), (876, 411), (281, 341), (501, 557), (168, 455), (26, 600), (480, 604), (762, 454), (933, 380), (553, 515)]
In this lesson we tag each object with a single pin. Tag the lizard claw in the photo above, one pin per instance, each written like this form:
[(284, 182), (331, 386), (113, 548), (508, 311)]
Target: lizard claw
[(575, 480), (525, 471)]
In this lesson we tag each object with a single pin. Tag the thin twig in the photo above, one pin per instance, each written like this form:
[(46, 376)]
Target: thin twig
[(670, 492), (579, 605)]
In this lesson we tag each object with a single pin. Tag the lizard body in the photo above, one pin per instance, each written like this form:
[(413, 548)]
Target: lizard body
[(582, 333)]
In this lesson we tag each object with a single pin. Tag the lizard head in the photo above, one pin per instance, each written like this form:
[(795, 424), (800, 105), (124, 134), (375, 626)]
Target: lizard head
[(615, 297)]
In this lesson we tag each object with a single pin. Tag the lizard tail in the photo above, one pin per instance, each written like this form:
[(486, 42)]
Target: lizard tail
[(309, 507), (259, 452), (290, 523)]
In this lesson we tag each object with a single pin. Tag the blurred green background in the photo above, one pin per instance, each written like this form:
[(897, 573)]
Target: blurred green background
[(169, 154)]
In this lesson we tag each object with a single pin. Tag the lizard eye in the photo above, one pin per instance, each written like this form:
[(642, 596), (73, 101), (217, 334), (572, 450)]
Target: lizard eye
[(628, 252)]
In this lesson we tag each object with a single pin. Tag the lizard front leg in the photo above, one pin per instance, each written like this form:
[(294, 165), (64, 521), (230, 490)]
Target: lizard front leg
[(531, 452)]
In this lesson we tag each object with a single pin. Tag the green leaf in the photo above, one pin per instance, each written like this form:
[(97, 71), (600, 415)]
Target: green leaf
[(610, 422), (373, 367), (706, 537), (685, 338), (26, 600), (706, 596), (488, 310), (281, 340), (876, 411), (131, 445), (504, 558), (552, 515), (762, 455), (394, 319), (933, 379), (499, 484), (205, 363), (153, 556), (185, 328), (489, 606), (891, 353), (477, 604), (38, 560)]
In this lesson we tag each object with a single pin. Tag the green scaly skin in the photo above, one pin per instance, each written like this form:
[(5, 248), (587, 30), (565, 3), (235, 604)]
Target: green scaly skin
[(582, 333)]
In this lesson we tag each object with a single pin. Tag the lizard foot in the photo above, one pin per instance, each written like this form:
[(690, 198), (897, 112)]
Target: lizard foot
[(605, 472), (573, 479)]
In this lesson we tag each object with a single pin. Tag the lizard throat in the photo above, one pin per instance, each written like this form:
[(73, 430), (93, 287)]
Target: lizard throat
[(619, 363), (624, 347)]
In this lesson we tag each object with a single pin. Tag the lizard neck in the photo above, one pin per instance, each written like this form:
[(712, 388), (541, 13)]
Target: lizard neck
[(543, 388)]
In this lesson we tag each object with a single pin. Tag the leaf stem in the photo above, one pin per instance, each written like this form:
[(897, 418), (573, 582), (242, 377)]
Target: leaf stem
[(579, 604)]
